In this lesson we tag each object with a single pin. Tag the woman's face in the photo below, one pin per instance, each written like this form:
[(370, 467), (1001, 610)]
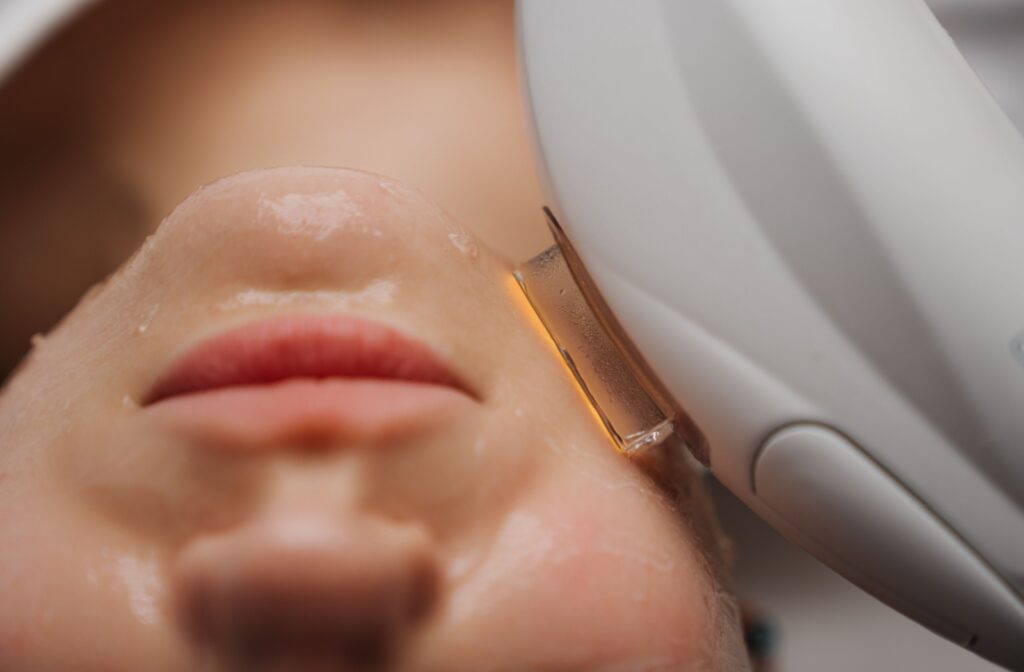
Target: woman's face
[(311, 424), (177, 492)]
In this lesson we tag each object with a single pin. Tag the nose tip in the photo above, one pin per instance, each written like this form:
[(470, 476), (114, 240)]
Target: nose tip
[(304, 590)]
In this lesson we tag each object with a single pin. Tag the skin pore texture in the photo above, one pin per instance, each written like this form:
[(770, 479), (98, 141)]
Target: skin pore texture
[(477, 520), (528, 541)]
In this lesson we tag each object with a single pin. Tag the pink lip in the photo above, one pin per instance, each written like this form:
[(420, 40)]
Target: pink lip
[(306, 346), (306, 379)]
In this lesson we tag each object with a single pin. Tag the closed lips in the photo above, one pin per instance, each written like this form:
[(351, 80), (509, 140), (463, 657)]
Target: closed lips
[(309, 381), (302, 347)]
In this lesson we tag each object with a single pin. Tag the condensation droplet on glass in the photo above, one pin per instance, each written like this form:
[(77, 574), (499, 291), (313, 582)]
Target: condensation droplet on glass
[(632, 417), (464, 243)]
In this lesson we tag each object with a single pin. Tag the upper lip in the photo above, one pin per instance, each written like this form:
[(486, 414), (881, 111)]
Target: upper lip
[(302, 346)]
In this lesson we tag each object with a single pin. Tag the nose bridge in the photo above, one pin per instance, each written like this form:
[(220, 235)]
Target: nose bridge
[(349, 588)]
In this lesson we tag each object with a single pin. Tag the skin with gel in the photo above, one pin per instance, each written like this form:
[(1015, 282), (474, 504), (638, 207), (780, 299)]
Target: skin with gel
[(530, 542), (458, 508)]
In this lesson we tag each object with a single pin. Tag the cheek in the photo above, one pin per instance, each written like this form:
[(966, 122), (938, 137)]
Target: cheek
[(583, 575), (67, 585)]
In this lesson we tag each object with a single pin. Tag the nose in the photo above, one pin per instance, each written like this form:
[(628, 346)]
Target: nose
[(306, 591)]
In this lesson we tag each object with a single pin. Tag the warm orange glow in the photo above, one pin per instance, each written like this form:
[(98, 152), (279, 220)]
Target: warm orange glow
[(522, 303)]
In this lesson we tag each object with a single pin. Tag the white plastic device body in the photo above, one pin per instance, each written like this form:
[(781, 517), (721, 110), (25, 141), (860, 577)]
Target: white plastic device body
[(808, 215)]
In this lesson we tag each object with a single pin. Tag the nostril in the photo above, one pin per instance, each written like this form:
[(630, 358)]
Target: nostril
[(423, 589), (301, 589), (364, 648)]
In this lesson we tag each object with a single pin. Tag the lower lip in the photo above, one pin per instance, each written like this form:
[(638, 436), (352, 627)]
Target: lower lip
[(310, 413)]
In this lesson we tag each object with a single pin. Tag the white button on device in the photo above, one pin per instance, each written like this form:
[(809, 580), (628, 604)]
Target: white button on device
[(847, 510)]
